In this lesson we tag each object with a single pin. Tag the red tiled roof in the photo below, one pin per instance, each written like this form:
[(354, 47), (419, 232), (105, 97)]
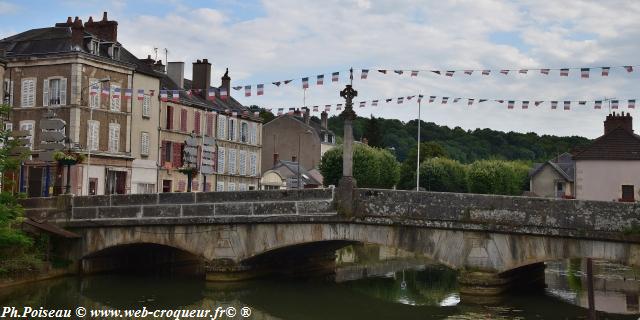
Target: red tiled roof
[(618, 144)]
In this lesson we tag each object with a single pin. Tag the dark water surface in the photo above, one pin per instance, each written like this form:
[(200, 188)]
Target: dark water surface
[(395, 289)]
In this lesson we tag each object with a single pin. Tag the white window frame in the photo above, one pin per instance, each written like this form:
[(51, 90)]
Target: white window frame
[(94, 101), (253, 133), (242, 163), (47, 92), (222, 132), (232, 161), (242, 187), (233, 123), (220, 186), (146, 106), (244, 134), (231, 186), (221, 159), (114, 137), (28, 92), (93, 127), (115, 103), (253, 164), (8, 88), (31, 130), (145, 143)]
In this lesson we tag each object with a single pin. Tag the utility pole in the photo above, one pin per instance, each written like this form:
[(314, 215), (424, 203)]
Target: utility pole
[(418, 158)]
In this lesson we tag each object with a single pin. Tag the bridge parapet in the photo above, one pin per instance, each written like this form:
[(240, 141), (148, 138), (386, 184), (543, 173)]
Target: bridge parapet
[(538, 215), (189, 206)]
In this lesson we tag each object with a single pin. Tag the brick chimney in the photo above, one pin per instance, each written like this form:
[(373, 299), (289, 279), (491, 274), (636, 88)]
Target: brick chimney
[(324, 120), (104, 29), (77, 33), (226, 82), (615, 121), (306, 115), (276, 159), (175, 71), (201, 77), (158, 66)]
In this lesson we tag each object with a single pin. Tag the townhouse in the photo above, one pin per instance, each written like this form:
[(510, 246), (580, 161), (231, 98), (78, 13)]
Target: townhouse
[(110, 100)]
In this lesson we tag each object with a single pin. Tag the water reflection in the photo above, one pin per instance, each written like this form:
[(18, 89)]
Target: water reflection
[(370, 283)]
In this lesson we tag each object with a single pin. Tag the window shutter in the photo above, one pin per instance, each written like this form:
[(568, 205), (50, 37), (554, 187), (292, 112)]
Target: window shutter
[(146, 108), (63, 91), (220, 160), (209, 125), (196, 122), (232, 161), (254, 133), (45, 92), (144, 143), (222, 120), (253, 161), (23, 94), (177, 155), (170, 117), (242, 166), (183, 120)]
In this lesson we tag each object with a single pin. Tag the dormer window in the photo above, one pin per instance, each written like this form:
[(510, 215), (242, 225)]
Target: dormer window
[(94, 47), (114, 52)]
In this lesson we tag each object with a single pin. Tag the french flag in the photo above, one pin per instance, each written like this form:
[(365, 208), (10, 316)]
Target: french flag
[(567, 105), (128, 93), (163, 96), (564, 72), (93, 91), (320, 80), (305, 83), (116, 93), (140, 94), (605, 71), (584, 73), (510, 104), (554, 104), (105, 92), (211, 94), (364, 73), (247, 91), (614, 104), (175, 95), (335, 76), (597, 104), (632, 104), (260, 89)]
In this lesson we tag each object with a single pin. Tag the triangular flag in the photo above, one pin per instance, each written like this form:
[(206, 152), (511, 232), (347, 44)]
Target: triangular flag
[(584, 73), (449, 73), (398, 71), (564, 72), (544, 71), (414, 73), (320, 79), (486, 72), (383, 71), (605, 71), (364, 73), (335, 76), (469, 72)]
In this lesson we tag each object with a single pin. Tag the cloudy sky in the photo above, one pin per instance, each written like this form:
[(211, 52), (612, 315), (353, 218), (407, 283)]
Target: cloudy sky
[(266, 41)]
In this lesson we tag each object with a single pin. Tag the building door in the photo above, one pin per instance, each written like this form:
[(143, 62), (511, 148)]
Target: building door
[(166, 185), (627, 193), (34, 182), (116, 182)]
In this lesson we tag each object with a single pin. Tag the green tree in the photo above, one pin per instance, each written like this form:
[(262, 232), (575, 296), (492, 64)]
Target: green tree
[(16, 247), (373, 134), (372, 167), (409, 165), (265, 114), (497, 177), (441, 174)]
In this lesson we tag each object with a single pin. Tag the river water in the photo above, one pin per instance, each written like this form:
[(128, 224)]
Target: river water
[(369, 283)]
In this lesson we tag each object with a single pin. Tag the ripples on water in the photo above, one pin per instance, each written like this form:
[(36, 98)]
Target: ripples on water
[(399, 287)]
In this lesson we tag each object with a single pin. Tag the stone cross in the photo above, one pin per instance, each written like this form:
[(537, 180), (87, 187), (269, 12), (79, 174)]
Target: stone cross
[(348, 115)]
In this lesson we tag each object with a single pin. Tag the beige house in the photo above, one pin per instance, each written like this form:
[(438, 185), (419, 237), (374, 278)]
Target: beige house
[(609, 168), (3, 65), (288, 136), (235, 131), (286, 174), (554, 178)]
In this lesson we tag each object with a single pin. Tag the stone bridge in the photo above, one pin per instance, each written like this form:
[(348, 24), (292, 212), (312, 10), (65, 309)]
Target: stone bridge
[(496, 241)]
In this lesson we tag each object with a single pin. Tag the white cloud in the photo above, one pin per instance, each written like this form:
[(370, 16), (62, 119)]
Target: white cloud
[(292, 40)]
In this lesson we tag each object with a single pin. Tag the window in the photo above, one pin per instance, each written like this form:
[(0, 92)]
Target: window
[(93, 134), (8, 90), (166, 185), (115, 98), (222, 120), (242, 187), (94, 47), (627, 193), (254, 133), (210, 125), (169, 124), (28, 125), (166, 151), (146, 188), (196, 122), (242, 166), (232, 161), (220, 186), (231, 186), (8, 126), (146, 106), (28, 93), (253, 162), (221, 160), (244, 132), (94, 94), (144, 143), (114, 137), (93, 186), (55, 92), (183, 120), (232, 129)]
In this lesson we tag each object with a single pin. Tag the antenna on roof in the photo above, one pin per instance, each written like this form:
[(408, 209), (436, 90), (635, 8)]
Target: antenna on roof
[(156, 52), (166, 57)]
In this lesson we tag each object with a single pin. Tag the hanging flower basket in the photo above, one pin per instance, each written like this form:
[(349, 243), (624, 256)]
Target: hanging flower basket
[(68, 158), (188, 170)]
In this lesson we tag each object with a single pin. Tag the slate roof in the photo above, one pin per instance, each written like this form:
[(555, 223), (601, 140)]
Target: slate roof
[(619, 144), (56, 40), (218, 104), (563, 165), (289, 169)]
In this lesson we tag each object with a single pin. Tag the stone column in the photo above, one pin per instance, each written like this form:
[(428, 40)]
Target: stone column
[(347, 184)]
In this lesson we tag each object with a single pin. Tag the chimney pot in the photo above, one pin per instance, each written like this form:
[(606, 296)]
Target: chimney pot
[(324, 121), (104, 16), (615, 121), (69, 21), (201, 76), (226, 82), (276, 159)]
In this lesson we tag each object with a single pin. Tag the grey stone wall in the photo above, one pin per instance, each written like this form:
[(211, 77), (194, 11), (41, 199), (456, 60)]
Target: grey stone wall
[(508, 211)]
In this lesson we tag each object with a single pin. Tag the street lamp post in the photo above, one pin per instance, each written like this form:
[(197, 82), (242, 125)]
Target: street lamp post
[(418, 159)]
